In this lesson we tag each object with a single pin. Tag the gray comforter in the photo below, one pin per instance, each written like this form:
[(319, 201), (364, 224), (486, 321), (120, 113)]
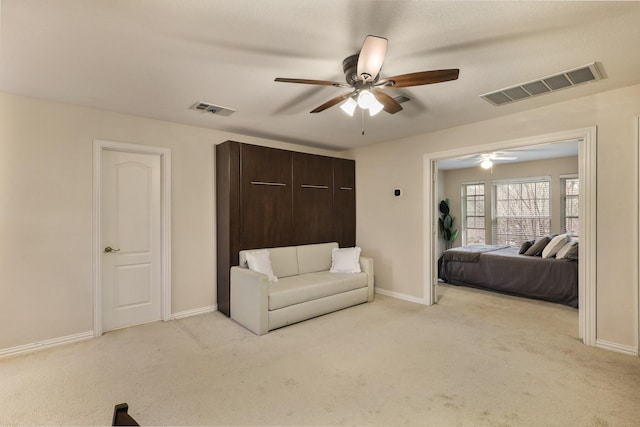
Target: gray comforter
[(502, 269)]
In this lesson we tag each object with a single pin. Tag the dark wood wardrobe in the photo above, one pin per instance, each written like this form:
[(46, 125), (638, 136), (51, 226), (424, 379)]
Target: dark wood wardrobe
[(268, 197)]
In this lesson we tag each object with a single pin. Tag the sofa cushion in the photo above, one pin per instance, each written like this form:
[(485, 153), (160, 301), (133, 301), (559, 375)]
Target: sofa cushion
[(307, 287), (312, 258), (284, 261)]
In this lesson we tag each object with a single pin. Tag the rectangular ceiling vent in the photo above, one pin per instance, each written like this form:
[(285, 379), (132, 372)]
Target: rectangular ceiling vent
[(207, 107), (577, 76), (401, 98)]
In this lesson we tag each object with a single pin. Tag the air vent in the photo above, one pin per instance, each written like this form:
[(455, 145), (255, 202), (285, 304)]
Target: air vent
[(401, 98), (585, 74), (207, 107)]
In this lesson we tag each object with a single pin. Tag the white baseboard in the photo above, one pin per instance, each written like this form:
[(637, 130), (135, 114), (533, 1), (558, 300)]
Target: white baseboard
[(398, 295), (194, 312), (618, 348), (28, 348)]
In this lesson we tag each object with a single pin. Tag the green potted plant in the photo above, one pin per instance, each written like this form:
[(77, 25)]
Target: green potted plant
[(446, 223)]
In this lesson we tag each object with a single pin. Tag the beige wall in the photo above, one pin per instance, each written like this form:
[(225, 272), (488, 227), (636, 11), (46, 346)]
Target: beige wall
[(391, 230), (46, 206), (46, 289), (554, 168)]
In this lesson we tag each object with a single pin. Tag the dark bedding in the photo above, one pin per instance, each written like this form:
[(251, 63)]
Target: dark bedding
[(502, 269)]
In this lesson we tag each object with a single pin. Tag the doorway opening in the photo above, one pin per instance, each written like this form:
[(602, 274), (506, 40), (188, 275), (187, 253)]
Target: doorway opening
[(587, 212), (163, 277)]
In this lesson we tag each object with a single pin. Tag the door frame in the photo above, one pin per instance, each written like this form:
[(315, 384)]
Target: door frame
[(637, 349), (99, 146), (587, 171)]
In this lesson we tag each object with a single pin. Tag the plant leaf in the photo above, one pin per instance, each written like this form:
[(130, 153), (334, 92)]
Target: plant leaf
[(444, 206)]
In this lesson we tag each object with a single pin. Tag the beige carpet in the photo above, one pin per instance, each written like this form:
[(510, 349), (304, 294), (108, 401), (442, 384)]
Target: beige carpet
[(475, 359)]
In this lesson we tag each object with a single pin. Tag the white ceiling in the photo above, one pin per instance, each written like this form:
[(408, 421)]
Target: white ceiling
[(155, 58), (515, 155)]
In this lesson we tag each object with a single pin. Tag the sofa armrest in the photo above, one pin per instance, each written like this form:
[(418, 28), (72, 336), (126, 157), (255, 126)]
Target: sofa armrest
[(366, 264), (250, 299)]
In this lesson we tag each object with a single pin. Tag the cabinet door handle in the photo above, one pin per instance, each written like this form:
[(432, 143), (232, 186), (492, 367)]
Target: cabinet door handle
[(278, 184), (323, 187), (346, 188)]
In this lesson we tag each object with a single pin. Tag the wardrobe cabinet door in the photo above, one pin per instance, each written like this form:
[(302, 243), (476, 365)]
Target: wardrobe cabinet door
[(344, 202), (266, 197), (312, 199)]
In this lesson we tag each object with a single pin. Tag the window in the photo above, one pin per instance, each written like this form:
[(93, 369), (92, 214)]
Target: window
[(521, 210), (473, 214), (571, 189)]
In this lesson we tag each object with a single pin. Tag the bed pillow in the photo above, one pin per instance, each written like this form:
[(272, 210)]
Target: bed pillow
[(538, 246), (259, 261), (573, 253), (345, 260), (525, 246), (568, 251), (555, 245)]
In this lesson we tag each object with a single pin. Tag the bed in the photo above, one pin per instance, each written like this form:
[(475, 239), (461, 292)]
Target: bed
[(503, 269)]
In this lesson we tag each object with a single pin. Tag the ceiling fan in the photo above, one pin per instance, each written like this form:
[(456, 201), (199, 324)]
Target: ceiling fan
[(486, 159), (362, 73)]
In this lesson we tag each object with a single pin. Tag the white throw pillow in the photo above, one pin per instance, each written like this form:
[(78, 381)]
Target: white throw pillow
[(260, 262), (345, 260), (555, 245), (564, 251)]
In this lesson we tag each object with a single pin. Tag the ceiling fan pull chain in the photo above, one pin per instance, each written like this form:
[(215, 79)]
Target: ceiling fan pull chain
[(362, 111)]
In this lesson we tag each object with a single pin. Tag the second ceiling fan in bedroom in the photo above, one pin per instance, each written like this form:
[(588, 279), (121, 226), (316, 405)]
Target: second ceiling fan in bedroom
[(486, 160), (362, 73)]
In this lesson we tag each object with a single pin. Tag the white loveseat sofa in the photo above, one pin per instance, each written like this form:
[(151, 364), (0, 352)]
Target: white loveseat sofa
[(305, 287)]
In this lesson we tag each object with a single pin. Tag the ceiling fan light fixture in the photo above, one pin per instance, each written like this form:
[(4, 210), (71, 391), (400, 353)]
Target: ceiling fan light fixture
[(371, 57), (486, 163), (349, 106), (375, 107), (366, 99)]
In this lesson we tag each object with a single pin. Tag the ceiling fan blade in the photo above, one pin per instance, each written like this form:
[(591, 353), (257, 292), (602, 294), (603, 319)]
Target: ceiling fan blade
[(419, 78), (311, 82), (504, 158), (332, 102), (371, 57), (391, 106)]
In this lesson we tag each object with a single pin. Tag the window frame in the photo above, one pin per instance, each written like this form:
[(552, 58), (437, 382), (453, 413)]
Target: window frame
[(464, 195)]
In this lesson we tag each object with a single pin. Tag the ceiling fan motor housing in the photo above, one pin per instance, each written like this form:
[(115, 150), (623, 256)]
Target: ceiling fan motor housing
[(350, 68)]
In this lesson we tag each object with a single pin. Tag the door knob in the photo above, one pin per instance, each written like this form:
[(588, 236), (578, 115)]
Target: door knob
[(110, 250)]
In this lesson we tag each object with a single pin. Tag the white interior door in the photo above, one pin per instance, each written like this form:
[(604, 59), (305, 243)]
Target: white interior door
[(130, 237)]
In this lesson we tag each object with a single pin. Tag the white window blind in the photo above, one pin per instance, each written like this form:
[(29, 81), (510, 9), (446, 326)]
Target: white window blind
[(521, 210), (571, 191), (473, 214)]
